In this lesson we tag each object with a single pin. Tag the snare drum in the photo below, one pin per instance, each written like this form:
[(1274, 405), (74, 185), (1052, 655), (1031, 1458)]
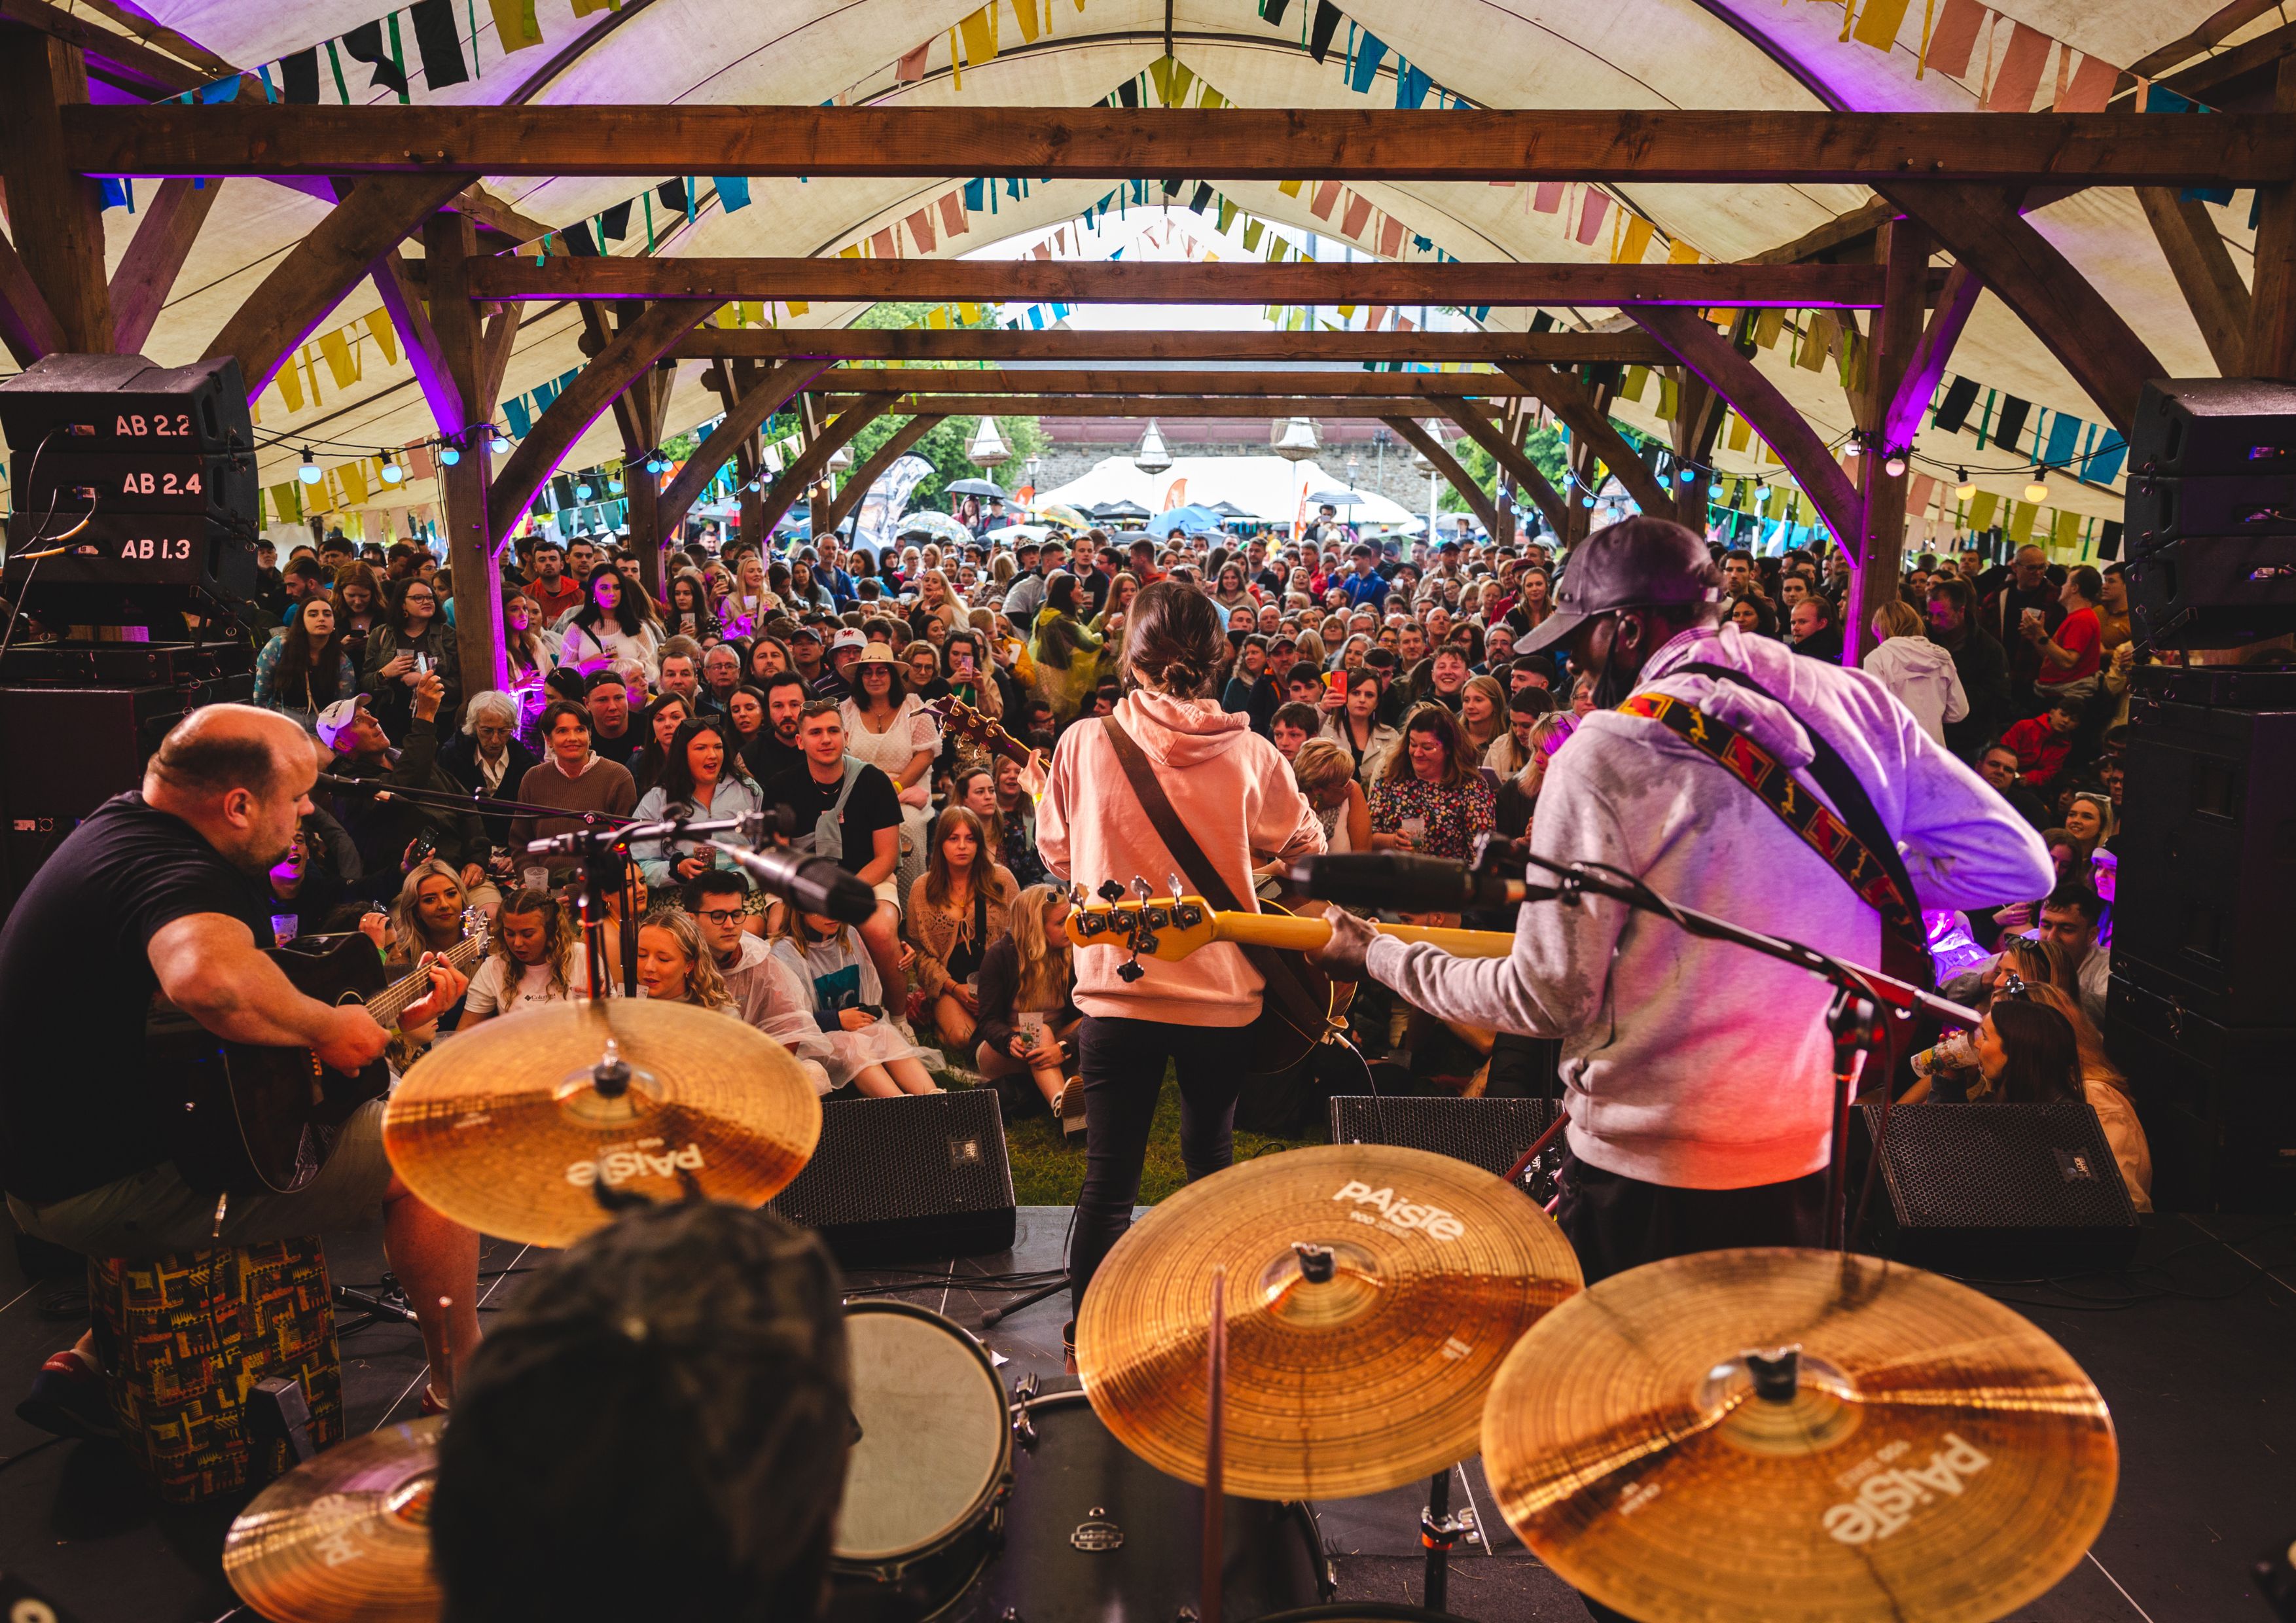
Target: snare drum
[(1094, 1532), (925, 1484)]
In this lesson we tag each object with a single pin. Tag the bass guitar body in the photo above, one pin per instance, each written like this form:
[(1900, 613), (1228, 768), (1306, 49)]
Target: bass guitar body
[(249, 1119)]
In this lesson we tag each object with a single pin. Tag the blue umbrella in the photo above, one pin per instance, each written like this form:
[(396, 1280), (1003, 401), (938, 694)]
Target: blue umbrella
[(1194, 518)]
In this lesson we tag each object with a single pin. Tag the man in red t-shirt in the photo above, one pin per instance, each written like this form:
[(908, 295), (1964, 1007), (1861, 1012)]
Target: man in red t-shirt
[(551, 588), (2071, 656)]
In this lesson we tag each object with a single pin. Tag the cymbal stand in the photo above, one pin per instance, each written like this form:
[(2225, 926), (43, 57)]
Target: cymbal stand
[(1439, 1531), (1207, 1604)]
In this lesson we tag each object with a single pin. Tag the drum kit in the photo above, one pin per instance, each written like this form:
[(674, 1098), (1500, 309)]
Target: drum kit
[(1733, 1435)]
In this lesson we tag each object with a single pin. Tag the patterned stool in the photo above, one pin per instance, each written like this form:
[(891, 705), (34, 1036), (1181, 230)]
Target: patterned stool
[(183, 1339)]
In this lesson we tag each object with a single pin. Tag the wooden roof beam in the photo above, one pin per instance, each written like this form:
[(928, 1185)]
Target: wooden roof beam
[(923, 344), (1149, 406), (1732, 146), (1032, 380), (1464, 284)]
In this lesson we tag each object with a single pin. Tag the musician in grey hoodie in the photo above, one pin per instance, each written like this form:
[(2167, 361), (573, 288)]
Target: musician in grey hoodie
[(1699, 1075)]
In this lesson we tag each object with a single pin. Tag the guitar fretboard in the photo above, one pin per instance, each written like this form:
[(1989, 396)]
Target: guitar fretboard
[(402, 994)]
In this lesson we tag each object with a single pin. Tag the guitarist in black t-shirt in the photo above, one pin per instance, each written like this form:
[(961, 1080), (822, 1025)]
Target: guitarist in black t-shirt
[(161, 892)]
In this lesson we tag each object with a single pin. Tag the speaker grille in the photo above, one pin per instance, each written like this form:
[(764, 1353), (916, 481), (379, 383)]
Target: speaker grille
[(920, 1156), (2002, 1166), (1491, 1134)]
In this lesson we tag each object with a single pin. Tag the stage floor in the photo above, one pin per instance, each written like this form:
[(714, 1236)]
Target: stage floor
[(2202, 1388)]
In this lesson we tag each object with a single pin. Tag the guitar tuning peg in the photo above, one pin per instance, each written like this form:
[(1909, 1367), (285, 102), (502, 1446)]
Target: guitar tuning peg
[(1174, 880), (1077, 896), (1129, 971), (1110, 891), (1140, 889)]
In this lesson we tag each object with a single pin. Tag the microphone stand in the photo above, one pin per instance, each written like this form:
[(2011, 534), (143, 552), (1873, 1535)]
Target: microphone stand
[(605, 861), (1864, 1001)]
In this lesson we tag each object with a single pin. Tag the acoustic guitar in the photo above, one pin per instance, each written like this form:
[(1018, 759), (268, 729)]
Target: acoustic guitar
[(969, 724), (1168, 929), (249, 1119)]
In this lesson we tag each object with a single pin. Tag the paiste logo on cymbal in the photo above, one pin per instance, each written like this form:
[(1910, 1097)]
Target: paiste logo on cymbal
[(621, 1166), (1432, 1221), (1887, 1499)]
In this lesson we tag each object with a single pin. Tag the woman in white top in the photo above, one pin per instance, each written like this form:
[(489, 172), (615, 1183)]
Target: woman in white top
[(674, 965), (1326, 775), (1921, 673), (535, 959), (749, 604), (611, 625), (889, 727)]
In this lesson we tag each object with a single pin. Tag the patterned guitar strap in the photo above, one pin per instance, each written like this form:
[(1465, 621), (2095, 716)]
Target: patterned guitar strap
[(1854, 841)]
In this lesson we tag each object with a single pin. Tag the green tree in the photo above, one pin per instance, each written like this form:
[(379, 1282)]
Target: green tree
[(1547, 449), (944, 445)]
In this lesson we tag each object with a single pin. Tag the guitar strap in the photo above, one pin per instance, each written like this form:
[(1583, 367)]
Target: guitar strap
[(1287, 997), (1851, 836)]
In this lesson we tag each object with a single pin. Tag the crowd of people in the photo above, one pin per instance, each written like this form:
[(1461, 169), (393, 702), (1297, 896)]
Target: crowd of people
[(805, 678)]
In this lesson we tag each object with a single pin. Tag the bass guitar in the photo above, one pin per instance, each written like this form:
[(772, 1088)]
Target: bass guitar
[(250, 1120), (1169, 928), (968, 724)]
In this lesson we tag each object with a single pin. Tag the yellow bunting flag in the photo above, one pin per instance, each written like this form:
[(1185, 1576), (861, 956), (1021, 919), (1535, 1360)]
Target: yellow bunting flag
[(287, 501), (386, 337), (1768, 325), (799, 306), (1680, 252), (1290, 188), (1637, 379), (1251, 230), (1982, 507), (1212, 98), (1636, 241), (979, 32), (937, 316), (2066, 530), (354, 477), (1741, 432), (340, 360), (514, 24), (955, 67), (1669, 398), (753, 313), (290, 386), (1878, 27), (1025, 12)]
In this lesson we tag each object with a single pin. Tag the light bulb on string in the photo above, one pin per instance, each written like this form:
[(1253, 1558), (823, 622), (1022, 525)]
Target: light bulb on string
[(582, 491), (1852, 449), (309, 471), (392, 474), (500, 444), (1689, 476), (1894, 464), (1965, 489), (2038, 490)]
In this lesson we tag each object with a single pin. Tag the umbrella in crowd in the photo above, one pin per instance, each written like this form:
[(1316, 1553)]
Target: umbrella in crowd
[(1121, 510), (935, 527), (977, 487)]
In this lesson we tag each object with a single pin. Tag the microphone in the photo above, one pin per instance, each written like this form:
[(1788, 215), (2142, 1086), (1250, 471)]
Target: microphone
[(366, 786), (810, 884), (1400, 882)]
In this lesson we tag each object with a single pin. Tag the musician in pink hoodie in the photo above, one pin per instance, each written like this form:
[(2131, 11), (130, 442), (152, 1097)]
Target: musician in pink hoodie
[(1235, 796)]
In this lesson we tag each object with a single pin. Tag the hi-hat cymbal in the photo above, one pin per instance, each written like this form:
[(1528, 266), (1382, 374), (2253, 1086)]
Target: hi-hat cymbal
[(502, 1127), (344, 1536), (1369, 1379), (1935, 1457)]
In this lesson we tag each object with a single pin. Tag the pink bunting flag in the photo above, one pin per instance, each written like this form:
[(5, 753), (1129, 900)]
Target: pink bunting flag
[(1390, 237), (883, 245), (1357, 214), (1955, 37), (2021, 70), (920, 227), (2091, 87), (1591, 214), (1548, 198), (1918, 495), (1326, 195), (952, 215), (912, 67), (421, 464), (1378, 316)]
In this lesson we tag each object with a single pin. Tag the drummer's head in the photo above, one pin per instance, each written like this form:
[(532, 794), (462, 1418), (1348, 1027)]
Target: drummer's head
[(657, 1427)]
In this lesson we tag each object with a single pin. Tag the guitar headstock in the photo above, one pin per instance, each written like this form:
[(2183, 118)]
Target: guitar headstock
[(1166, 928), (968, 723)]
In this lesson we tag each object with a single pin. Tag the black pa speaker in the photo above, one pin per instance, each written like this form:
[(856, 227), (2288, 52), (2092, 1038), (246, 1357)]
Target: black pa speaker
[(2207, 427), (2207, 854), (905, 1179), (1491, 1134), (2219, 1102), (2214, 591), (2000, 1191)]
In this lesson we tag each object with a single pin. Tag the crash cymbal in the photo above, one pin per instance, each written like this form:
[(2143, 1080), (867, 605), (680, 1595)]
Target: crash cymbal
[(1928, 1455), (1370, 1378), (344, 1536), (503, 1128)]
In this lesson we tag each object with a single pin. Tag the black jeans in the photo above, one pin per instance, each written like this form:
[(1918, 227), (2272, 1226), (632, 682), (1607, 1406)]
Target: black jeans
[(1617, 1223), (1122, 1064)]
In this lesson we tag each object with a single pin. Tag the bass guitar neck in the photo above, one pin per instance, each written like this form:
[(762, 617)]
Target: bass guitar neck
[(1170, 927), (1299, 933)]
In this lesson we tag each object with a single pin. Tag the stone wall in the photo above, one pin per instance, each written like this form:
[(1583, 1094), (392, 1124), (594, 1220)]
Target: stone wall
[(1077, 444)]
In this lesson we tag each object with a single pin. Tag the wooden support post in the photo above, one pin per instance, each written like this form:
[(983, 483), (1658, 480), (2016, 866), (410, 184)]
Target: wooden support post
[(28, 327), (1698, 412), (58, 216), (2205, 273), (1448, 465), (447, 240), (163, 242), (2272, 318), (757, 403), (649, 402), (1878, 550), (1568, 399), (1512, 459)]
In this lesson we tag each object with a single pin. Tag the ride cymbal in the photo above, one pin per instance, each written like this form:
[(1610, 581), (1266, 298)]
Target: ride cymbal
[(503, 1128), (344, 1536), (1926, 1453), (1366, 1380)]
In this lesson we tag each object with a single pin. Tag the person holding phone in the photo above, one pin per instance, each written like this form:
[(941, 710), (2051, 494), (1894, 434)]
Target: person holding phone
[(413, 642), (1353, 724)]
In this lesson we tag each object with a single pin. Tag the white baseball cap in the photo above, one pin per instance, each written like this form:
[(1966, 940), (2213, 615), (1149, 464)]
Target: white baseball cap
[(336, 721), (847, 638)]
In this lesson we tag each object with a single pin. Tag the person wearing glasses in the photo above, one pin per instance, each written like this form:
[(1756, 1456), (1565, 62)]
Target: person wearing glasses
[(766, 991)]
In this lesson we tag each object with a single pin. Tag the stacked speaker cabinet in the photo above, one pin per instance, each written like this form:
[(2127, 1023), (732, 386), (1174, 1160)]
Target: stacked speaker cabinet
[(2203, 956), (2211, 517)]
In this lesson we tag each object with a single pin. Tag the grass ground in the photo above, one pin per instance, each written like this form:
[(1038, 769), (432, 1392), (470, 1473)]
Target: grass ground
[(1048, 1170)]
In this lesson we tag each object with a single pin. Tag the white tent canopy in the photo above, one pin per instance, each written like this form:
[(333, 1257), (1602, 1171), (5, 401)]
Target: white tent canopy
[(1269, 488), (1742, 54)]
